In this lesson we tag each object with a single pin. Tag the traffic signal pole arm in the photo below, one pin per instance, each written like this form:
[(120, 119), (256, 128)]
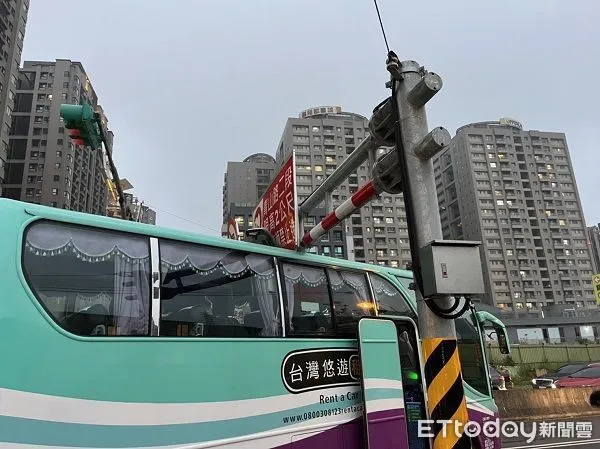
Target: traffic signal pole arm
[(113, 168), (87, 130)]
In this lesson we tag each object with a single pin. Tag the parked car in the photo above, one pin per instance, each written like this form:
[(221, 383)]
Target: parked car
[(587, 377), (549, 380), (497, 380)]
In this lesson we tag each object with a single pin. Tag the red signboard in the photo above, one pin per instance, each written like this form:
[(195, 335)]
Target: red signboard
[(233, 231), (276, 210)]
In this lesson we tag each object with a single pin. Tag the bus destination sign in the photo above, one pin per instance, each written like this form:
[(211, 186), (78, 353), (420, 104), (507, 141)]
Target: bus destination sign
[(314, 369)]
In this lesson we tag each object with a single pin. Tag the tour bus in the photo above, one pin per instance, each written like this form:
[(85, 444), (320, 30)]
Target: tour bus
[(115, 334)]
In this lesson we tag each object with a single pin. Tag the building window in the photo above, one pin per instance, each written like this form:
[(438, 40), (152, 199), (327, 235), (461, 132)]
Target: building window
[(91, 282), (213, 292)]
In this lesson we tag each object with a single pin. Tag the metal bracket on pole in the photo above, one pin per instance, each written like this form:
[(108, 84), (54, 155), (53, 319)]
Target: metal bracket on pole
[(434, 142)]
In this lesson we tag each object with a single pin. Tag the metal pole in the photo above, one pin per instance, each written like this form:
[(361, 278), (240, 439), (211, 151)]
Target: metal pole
[(113, 168), (139, 212), (446, 401), (424, 200)]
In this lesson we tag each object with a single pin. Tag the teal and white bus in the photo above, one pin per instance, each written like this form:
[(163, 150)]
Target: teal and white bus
[(116, 334)]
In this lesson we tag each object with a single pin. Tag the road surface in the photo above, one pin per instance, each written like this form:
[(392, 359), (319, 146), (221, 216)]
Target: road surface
[(554, 440)]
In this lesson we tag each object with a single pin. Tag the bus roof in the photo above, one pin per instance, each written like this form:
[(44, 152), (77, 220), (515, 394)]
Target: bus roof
[(7, 206)]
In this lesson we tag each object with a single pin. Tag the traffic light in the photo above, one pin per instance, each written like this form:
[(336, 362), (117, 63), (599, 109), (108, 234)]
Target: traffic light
[(83, 123), (76, 137)]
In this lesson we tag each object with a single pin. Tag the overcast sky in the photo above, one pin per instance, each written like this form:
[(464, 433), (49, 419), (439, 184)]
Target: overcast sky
[(188, 85)]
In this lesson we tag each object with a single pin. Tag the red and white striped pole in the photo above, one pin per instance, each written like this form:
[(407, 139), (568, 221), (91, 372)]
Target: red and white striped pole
[(356, 201)]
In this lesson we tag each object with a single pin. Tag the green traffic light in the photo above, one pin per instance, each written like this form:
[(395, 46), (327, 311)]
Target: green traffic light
[(85, 120), (76, 113), (412, 375)]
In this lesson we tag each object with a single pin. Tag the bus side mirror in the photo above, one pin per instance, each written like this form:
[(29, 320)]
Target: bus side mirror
[(485, 317), (503, 343)]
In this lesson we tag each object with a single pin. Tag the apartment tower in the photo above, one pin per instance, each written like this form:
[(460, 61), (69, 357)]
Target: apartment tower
[(243, 185), (13, 19), (515, 191), (42, 165)]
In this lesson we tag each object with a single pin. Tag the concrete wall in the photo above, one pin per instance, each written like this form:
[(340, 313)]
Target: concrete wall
[(523, 404)]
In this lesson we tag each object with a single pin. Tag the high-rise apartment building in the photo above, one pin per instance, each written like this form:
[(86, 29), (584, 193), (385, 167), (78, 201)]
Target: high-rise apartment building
[(515, 191), (13, 19), (243, 185), (594, 241), (322, 137), (42, 165)]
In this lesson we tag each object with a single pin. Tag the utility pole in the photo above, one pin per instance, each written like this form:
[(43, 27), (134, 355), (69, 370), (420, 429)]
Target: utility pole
[(436, 263), (445, 270)]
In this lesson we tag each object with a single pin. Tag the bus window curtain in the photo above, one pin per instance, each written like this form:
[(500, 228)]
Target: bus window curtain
[(131, 284)]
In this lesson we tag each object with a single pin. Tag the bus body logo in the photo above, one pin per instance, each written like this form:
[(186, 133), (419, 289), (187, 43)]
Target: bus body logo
[(313, 369)]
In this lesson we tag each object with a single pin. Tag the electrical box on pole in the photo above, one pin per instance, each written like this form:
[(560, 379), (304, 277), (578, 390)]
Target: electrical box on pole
[(447, 268)]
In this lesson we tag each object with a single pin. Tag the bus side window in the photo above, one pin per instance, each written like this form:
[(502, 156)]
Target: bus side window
[(217, 292), (351, 300), (406, 282), (308, 301), (390, 301), (91, 281)]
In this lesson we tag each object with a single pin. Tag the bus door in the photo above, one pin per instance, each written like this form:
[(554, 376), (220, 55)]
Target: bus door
[(385, 419), (393, 386)]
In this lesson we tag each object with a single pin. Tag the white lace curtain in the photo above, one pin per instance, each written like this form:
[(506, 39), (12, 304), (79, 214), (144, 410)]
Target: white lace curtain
[(316, 277), (205, 260), (52, 239), (355, 281), (130, 255), (381, 286)]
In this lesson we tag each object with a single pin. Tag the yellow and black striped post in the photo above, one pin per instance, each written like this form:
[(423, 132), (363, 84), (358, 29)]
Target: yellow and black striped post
[(445, 394)]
